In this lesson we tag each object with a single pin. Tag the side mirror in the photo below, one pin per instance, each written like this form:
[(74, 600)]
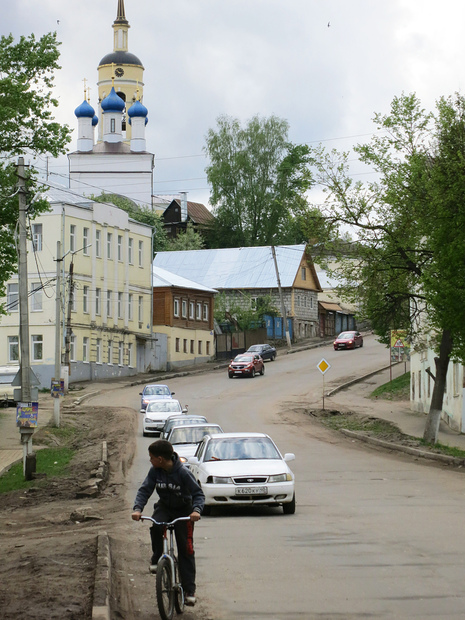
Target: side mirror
[(142, 410), (173, 393), (140, 393), (193, 460), (185, 410), (289, 456)]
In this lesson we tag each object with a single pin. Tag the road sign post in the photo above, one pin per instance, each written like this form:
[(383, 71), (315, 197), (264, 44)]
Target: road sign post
[(323, 366)]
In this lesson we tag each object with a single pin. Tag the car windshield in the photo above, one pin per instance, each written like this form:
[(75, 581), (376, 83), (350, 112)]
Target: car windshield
[(346, 336), (171, 406), (180, 434), (181, 421), (239, 448), (243, 358), (255, 347), (7, 378), (156, 390)]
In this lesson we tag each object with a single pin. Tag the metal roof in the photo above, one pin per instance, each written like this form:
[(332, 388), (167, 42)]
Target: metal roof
[(162, 278), (235, 268)]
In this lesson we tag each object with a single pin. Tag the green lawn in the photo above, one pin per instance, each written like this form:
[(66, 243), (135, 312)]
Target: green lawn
[(397, 389)]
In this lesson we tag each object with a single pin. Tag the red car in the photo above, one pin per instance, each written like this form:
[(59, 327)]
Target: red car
[(348, 340), (246, 365)]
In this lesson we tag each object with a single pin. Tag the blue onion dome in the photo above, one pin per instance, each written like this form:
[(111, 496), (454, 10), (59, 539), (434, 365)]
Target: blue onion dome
[(95, 120), (137, 109), (113, 103), (85, 110)]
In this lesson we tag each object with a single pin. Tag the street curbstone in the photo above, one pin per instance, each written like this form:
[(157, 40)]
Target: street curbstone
[(101, 598)]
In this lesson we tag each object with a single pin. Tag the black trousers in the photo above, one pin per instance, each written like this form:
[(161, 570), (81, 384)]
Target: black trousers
[(184, 533)]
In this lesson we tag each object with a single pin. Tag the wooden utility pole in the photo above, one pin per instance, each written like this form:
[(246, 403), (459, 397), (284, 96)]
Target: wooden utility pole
[(56, 400), (283, 307)]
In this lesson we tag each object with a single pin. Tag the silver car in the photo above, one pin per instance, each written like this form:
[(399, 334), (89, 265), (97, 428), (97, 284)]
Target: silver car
[(156, 414)]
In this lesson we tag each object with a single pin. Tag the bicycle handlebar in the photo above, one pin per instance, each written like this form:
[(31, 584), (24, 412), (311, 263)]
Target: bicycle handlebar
[(143, 518)]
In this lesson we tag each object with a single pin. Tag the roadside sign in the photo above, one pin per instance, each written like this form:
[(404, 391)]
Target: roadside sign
[(323, 366), (26, 415), (57, 388)]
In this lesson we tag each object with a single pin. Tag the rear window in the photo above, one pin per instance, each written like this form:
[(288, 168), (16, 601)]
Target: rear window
[(7, 378)]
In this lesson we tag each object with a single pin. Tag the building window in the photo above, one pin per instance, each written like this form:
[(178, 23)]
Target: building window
[(297, 300), (85, 349), (184, 345), (130, 306), (419, 384), (200, 347), (120, 353), (253, 303), (120, 305), (305, 301), (120, 247), (176, 307), (191, 310), (178, 345), (72, 348), (97, 300), (109, 294), (130, 350), (85, 299), (72, 238), (98, 350), (37, 237), (12, 297), (130, 251), (205, 312), (98, 244), (112, 125), (199, 311), (110, 352), (140, 309), (303, 273), (192, 347), (37, 348), (109, 245), (36, 297), (13, 348), (141, 253), (311, 302), (73, 300), (85, 241), (184, 309), (208, 347)]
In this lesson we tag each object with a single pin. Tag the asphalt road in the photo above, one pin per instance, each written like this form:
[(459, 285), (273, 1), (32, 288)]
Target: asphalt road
[(374, 535)]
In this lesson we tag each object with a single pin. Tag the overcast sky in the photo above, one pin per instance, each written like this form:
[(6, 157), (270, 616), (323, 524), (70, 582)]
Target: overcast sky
[(324, 65)]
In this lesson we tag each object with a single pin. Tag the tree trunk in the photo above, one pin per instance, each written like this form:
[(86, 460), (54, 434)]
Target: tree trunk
[(442, 363)]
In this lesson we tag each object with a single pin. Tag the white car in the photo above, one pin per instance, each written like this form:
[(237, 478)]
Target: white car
[(185, 439), (180, 420), (241, 469), (156, 413)]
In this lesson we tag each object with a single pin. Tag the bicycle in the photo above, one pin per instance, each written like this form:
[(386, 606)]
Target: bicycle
[(170, 594)]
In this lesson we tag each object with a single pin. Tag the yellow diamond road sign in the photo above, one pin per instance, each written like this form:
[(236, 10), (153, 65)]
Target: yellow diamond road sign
[(323, 366)]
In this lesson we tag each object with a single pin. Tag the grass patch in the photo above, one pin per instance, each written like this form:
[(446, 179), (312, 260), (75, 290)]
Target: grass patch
[(397, 389), (376, 426), (442, 449), (49, 461)]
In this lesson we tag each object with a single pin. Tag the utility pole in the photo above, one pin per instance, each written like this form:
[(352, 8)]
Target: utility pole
[(68, 316), (56, 400), (29, 461), (283, 307)]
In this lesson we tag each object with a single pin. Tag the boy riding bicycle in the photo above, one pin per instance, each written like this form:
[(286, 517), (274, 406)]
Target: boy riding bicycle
[(179, 496)]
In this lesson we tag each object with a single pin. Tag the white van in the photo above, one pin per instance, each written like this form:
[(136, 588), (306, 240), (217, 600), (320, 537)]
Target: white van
[(7, 374)]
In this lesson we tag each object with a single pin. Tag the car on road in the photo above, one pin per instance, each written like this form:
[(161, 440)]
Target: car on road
[(246, 365), (154, 392), (180, 420), (7, 389), (348, 340), (156, 413), (243, 469), (266, 351), (185, 439)]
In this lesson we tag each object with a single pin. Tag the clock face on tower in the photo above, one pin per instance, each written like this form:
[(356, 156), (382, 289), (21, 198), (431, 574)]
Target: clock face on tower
[(119, 72)]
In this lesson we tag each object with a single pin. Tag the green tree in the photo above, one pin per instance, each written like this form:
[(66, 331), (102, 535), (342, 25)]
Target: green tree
[(27, 127), (407, 267), (187, 240), (144, 215), (258, 181)]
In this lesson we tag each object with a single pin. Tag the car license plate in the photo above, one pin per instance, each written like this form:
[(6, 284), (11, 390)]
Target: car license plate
[(252, 491), (238, 372)]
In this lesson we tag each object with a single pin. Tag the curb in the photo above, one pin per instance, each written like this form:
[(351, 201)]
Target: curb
[(359, 379), (101, 602), (443, 458)]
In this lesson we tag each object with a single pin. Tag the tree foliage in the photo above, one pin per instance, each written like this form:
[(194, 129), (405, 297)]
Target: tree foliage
[(407, 267), (187, 240), (27, 127), (258, 180)]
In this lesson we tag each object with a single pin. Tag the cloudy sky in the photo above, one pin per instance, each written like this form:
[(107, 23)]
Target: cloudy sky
[(324, 65)]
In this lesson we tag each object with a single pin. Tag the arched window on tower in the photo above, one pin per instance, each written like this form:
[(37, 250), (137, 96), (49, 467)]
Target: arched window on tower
[(123, 97)]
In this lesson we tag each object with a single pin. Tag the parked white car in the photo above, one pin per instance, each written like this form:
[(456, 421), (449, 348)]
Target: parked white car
[(185, 439), (156, 413), (241, 469), (181, 420)]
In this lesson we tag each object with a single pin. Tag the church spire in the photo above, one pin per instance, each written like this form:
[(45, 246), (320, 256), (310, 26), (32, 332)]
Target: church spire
[(120, 16), (120, 30)]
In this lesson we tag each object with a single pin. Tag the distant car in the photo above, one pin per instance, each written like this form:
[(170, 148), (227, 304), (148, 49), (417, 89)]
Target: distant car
[(156, 414), (241, 469), (180, 420), (246, 365), (185, 439), (154, 392), (7, 375), (266, 351), (348, 340)]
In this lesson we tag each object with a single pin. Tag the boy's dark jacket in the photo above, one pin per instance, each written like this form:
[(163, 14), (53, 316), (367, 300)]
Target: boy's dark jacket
[(177, 490)]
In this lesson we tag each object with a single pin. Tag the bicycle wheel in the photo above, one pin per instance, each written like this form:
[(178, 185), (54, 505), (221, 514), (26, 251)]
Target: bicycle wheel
[(178, 591), (165, 590)]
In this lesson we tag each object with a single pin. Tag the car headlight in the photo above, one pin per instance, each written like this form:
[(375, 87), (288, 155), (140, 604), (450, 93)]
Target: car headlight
[(145, 401), (219, 480), (148, 420), (280, 478), (183, 459)]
